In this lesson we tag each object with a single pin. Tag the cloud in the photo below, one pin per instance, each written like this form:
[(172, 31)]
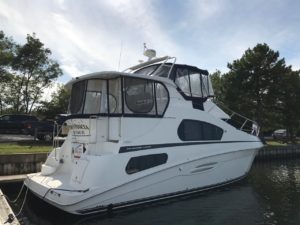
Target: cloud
[(88, 36)]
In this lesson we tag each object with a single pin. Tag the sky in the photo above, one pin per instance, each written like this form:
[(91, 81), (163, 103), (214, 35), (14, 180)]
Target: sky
[(97, 35)]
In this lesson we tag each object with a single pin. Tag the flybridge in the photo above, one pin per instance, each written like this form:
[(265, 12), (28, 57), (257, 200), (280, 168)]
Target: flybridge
[(193, 84), (192, 81)]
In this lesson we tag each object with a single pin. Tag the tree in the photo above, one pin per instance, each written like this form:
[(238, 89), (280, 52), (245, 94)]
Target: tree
[(7, 53), (58, 104), (36, 72), (217, 82), (289, 102), (251, 85)]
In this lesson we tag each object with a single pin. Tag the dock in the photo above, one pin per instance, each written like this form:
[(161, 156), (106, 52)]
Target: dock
[(12, 178), (7, 216), (280, 152)]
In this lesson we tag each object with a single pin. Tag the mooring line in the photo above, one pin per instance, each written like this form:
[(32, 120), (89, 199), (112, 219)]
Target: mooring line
[(15, 200), (22, 206)]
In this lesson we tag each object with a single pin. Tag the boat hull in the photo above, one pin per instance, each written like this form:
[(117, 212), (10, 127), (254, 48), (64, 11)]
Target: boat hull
[(172, 181)]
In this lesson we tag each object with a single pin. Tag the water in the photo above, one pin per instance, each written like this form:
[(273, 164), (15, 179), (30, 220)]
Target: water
[(269, 195)]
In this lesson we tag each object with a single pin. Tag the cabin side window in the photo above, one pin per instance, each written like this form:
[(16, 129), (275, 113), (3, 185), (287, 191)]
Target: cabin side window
[(140, 163), (95, 101), (119, 96), (183, 81), (193, 130), (115, 96), (139, 96), (77, 96), (162, 98)]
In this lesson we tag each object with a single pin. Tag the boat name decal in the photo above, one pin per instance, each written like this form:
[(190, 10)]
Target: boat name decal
[(78, 126)]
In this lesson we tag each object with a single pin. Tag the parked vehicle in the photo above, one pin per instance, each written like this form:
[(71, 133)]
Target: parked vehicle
[(280, 134), (14, 123), (44, 129)]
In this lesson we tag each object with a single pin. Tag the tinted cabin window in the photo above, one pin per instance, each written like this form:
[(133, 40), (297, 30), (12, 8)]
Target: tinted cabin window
[(193, 84), (140, 163), (77, 96), (5, 118), (183, 81), (115, 96), (195, 80), (162, 98), (118, 96), (139, 96), (93, 97), (193, 130)]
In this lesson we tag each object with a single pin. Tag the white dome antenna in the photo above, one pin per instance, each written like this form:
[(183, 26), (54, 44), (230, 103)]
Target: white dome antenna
[(150, 53)]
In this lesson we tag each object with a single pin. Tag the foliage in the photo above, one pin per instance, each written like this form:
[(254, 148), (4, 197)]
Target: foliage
[(216, 79), (37, 71), (58, 104), (7, 52), (289, 102), (30, 70), (260, 86)]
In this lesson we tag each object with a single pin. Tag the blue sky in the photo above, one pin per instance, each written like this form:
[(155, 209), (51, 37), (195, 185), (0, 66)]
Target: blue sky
[(87, 36)]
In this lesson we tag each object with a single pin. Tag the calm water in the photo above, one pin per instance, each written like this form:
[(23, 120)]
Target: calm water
[(269, 195)]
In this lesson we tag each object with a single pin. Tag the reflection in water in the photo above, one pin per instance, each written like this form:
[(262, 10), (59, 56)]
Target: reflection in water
[(279, 184), (270, 195)]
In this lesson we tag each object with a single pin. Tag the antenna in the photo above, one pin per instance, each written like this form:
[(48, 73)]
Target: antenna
[(120, 56)]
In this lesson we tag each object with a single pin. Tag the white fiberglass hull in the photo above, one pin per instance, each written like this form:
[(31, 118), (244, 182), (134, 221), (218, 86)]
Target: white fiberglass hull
[(170, 181)]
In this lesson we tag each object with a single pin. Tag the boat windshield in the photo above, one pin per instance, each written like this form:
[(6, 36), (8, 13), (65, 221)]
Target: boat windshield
[(161, 70), (191, 81), (105, 96)]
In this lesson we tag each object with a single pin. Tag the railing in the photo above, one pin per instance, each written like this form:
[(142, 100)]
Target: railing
[(56, 141), (164, 60), (239, 121)]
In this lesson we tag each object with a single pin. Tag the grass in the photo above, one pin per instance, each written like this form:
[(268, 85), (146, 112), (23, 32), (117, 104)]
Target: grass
[(24, 147), (275, 143)]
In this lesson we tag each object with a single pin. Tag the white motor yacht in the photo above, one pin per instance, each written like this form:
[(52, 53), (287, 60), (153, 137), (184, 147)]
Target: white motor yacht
[(150, 133)]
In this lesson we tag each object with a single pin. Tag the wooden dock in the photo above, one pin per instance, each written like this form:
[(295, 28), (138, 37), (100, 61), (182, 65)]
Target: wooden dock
[(7, 216)]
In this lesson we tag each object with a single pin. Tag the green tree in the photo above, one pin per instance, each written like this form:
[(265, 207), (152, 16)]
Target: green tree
[(25, 71), (7, 53), (58, 105), (289, 102), (251, 85), (217, 82), (36, 71)]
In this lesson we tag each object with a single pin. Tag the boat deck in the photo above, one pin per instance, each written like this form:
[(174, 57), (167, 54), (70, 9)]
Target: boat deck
[(7, 216)]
